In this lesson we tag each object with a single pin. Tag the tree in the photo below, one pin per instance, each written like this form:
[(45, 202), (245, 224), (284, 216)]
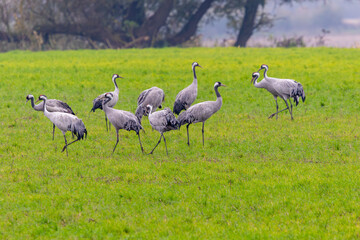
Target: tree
[(116, 23)]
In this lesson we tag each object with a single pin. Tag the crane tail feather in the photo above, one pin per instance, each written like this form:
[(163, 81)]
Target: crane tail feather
[(298, 92), (78, 128)]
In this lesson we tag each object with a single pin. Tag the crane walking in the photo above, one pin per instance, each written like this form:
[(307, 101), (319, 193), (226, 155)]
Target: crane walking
[(153, 96), (283, 88), (121, 119), (97, 102), (53, 105), (187, 96), (162, 121), (65, 122), (201, 112)]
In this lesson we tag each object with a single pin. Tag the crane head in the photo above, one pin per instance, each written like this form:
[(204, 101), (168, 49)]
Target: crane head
[(264, 66), (108, 97), (28, 97), (149, 108), (255, 76), (219, 84), (195, 64), (41, 98), (116, 76)]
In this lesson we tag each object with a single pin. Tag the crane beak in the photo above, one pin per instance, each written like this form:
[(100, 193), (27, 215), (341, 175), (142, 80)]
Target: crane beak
[(37, 100), (200, 66), (252, 80), (223, 85)]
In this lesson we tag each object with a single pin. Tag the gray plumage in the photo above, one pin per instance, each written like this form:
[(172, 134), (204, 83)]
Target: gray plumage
[(162, 121), (121, 119), (187, 96), (283, 88), (201, 112), (53, 105), (97, 102), (153, 96), (65, 122)]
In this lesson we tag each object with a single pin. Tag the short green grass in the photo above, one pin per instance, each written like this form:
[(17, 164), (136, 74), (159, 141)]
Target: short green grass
[(255, 178)]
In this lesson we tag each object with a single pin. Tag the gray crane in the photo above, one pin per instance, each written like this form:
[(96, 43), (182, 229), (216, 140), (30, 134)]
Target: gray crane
[(153, 96), (283, 88), (201, 112), (162, 121), (53, 105), (121, 119), (65, 122), (97, 102), (187, 96)]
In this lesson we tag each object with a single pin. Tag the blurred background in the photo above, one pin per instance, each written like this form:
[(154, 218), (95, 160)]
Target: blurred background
[(100, 24)]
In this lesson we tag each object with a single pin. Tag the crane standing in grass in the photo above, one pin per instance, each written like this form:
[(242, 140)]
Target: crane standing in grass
[(65, 122), (283, 88), (53, 105), (162, 121), (97, 102), (153, 96), (201, 112), (187, 96), (121, 119)]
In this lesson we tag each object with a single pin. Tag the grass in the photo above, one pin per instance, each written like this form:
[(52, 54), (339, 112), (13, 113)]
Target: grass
[(255, 178)]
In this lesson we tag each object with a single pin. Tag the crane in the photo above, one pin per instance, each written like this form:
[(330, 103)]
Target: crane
[(187, 96), (201, 112), (162, 121), (153, 96), (53, 105), (65, 122), (121, 119), (283, 88), (97, 102)]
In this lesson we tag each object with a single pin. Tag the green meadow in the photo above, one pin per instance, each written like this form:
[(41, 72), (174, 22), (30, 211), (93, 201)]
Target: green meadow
[(255, 178)]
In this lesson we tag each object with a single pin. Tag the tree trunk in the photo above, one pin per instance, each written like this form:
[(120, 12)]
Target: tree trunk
[(96, 33), (190, 27), (136, 12), (248, 23), (152, 25)]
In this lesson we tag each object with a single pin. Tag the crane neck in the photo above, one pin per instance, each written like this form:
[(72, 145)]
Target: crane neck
[(195, 78), (105, 106), (116, 86), (150, 111), (265, 73), (45, 110), (256, 84), (32, 102), (217, 92)]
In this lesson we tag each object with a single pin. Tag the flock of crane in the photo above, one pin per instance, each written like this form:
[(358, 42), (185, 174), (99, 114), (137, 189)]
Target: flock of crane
[(62, 116)]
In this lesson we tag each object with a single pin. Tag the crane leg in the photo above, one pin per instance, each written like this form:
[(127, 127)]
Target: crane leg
[(291, 107), (53, 131), (187, 130), (69, 144), (165, 145), (156, 144), (65, 147), (117, 141), (277, 112), (142, 149), (203, 132), (290, 111)]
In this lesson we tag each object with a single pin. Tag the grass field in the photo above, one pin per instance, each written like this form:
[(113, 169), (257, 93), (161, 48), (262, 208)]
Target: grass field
[(255, 178)]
